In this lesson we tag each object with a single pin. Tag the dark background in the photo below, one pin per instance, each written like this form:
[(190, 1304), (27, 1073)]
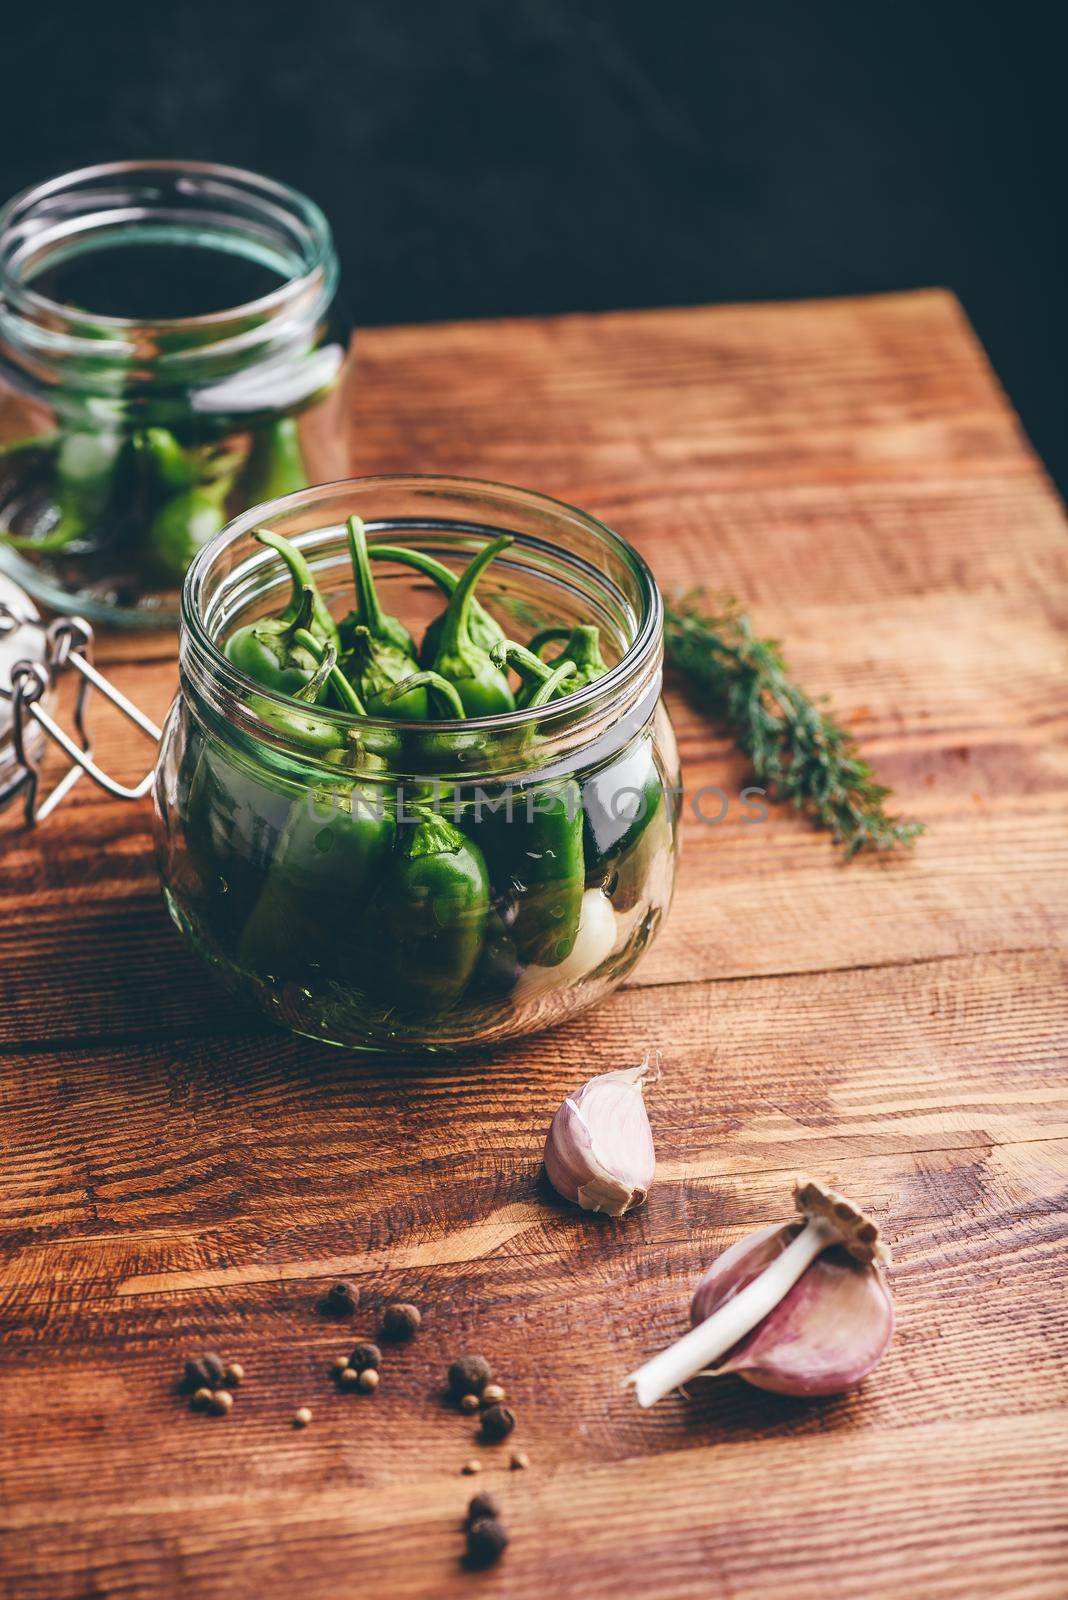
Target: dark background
[(496, 156)]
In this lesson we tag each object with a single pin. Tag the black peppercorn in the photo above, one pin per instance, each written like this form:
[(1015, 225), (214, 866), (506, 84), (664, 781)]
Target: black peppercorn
[(341, 1298), (400, 1321), (482, 1505), (469, 1375), (497, 1423), (364, 1356), (203, 1372), (487, 1540)]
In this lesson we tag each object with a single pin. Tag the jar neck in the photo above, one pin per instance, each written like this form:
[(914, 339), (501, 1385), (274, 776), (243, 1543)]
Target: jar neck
[(82, 360)]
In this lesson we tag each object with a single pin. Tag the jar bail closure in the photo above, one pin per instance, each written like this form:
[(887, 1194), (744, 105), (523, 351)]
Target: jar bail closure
[(65, 645)]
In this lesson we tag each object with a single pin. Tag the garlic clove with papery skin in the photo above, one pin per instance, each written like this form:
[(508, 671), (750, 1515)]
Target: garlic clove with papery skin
[(757, 1277), (599, 1149), (826, 1333)]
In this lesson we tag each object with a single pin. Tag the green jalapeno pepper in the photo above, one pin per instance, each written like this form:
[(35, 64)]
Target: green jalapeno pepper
[(86, 466), (334, 846), (275, 464), (484, 630), (174, 467), (375, 669), (533, 843), (582, 646), (182, 526), (482, 686), (619, 803), (430, 915), (271, 651), (368, 612)]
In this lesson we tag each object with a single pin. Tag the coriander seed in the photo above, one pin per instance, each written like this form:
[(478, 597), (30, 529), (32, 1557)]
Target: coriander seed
[(301, 1417), (235, 1373), (492, 1394), (349, 1378), (469, 1375), (368, 1379), (400, 1321), (497, 1423), (365, 1356), (469, 1402), (341, 1364), (520, 1461), (471, 1467), (487, 1541), (221, 1402), (201, 1399)]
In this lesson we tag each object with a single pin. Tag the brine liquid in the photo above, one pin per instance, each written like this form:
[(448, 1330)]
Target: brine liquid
[(156, 282)]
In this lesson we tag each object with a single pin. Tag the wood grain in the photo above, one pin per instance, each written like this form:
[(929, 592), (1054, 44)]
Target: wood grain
[(174, 1175)]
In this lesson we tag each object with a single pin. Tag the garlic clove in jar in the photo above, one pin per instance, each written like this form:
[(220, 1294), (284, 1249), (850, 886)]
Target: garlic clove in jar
[(599, 1150), (826, 1334), (594, 943)]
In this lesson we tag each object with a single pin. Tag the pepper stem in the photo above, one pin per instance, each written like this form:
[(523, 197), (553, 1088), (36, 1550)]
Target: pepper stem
[(731, 1321), (427, 680), (309, 692), (548, 636), (429, 566), (455, 628), (545, 691), (367, 604), (531, 668), (350, 700), (301, 574)]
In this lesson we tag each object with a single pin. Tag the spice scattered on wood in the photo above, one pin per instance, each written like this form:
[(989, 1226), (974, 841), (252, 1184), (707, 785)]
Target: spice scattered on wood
[(520, 1461), (201, 1399), (400, 1321), (203, 1371), (492, 1394), (364, 1357), (469, 1402), (368, 1379), (482, 1505), (471, 1467), (348, 1377), (301, 1417), (221, 1402), (497, 1423), (341, 1365), (341, 1299), (469, 1375), (487, 1540), (234, 1374)]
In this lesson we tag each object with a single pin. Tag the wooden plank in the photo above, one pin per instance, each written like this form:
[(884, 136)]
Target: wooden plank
[(175, 1175)]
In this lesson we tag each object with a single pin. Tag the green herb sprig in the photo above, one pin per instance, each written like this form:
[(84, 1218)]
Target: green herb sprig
[(799, 752)]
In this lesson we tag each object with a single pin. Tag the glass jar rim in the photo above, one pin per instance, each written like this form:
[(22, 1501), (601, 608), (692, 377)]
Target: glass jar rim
[(319, 261), (643, 651)]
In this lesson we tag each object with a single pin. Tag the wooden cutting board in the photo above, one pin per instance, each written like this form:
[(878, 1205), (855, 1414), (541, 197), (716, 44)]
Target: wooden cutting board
[(176, 1176)]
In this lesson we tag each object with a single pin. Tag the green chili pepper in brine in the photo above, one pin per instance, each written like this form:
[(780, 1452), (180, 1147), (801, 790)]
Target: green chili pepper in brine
[(484, 630), (368, 612), (275, 463), (482, 686), (182, 526), (174, 467), (533, 843), (86, 466), (375, 668), (272, 652), (582, 646), (333, 849), (431, 912)]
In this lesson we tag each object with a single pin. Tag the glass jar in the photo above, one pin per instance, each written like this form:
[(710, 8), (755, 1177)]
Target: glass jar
[(284, 830), (172, 351)]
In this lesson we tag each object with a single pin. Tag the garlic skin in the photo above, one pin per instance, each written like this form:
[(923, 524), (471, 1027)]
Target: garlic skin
[(826, 1334), (599, 1149)]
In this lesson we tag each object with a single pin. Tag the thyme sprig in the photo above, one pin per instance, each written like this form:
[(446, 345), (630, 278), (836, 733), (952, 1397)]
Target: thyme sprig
[(799, 752)]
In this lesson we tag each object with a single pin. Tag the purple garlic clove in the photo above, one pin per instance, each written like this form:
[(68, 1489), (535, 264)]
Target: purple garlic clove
[(599, 1150), (827, 1333)]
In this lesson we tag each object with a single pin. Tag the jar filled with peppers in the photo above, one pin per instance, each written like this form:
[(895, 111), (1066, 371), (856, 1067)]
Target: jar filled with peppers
[(172, 351), (418, 789)]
